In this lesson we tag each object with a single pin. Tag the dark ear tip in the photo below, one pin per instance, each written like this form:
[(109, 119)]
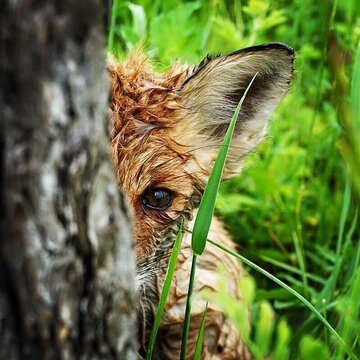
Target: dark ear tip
[(251, 49), (281, 46), (266, 46)]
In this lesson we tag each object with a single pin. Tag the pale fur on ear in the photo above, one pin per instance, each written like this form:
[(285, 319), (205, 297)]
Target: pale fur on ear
[(210, 95)]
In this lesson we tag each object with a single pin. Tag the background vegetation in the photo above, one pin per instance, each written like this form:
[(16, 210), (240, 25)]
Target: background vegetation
[(294, 209)]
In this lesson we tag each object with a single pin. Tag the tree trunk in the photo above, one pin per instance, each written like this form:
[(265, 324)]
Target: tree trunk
[(66, 261)]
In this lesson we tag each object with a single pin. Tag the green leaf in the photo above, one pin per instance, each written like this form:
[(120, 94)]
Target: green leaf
[(139, 19), (351, 318), (355, 90), (330, 286), (164, 293), (257, 8), (114, 12), (264, 328), (199, 341), (281, 351), (166, 25), (207, 205), (313, 349)]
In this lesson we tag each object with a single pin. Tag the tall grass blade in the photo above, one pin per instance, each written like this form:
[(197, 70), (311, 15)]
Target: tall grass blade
[(207, 205), (185, 334), (111, 37), (355, 90), (199, 341), (351, 316), (292, 269), (300, 256), (327, 292), (355, 106), (336, 336), (164, 293), (205, 213)]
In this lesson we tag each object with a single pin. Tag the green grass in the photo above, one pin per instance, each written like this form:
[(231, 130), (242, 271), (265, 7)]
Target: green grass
[(340, 341), (294, 209)]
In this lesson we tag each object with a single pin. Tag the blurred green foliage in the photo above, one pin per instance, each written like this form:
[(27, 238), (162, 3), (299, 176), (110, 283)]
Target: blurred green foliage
[(294, 209)]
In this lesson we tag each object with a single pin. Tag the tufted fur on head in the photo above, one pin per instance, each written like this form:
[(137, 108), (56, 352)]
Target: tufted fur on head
[(166, 131)]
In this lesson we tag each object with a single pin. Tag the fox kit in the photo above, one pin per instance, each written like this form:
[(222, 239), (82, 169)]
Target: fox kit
[(166, 131)]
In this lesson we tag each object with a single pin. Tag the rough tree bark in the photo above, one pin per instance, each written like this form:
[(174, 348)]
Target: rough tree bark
[(66, 263)]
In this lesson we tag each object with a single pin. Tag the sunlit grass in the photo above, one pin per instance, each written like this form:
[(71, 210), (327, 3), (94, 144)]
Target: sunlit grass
[(293, 211)]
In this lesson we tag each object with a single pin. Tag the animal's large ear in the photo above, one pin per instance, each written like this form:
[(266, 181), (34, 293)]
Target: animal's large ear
[(210, 95)]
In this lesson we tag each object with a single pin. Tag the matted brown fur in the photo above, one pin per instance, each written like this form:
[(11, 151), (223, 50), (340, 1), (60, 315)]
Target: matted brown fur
[(165, 133), (144, 106)]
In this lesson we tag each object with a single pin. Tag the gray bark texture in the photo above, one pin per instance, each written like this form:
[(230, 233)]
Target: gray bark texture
[(66, 258)]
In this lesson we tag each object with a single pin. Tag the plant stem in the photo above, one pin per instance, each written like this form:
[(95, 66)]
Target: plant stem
[(188, 310)]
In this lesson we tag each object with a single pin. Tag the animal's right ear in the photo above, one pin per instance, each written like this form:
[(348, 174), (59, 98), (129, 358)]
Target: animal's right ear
[(210, 95)]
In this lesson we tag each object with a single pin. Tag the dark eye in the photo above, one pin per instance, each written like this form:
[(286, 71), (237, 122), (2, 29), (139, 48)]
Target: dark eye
[(157, 199)]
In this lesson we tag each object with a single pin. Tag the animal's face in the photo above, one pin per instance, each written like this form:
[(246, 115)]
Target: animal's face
[(166, 130)]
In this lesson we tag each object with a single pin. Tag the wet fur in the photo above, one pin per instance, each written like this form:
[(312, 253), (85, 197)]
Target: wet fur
[(165, 132)]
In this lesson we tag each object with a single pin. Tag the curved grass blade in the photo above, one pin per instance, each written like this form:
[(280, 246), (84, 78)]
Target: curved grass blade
[(351, 316), (337, 337), (207, 205), (164, 293), (199, 341)]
